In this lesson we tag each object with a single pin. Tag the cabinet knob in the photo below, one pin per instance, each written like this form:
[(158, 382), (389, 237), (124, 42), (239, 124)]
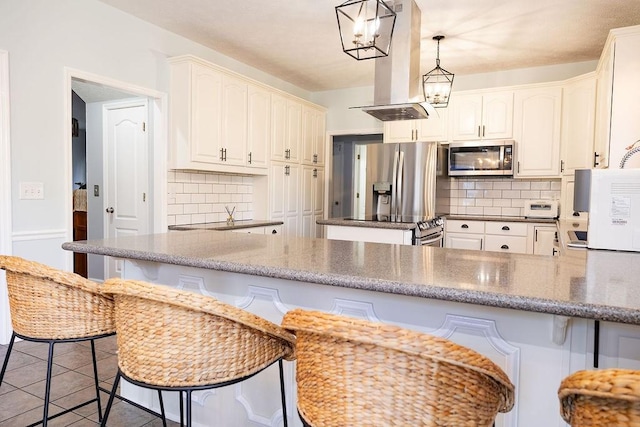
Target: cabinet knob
[(506, 228), (109, 210), (505, 247), (274, 231), (464, 226)]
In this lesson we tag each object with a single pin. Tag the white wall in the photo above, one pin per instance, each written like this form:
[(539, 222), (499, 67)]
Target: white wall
[(44, 37)]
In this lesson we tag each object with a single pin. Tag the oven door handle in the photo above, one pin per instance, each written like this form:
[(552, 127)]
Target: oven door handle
[(422, 242)]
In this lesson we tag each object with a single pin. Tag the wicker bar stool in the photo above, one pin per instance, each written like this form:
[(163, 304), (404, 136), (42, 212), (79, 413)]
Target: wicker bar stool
[(53, 306), (353, 372), (175, 340), (607, 397)]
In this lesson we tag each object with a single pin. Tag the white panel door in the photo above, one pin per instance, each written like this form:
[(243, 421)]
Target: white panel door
[(307, 199), (497, 115), (234, 124), (278, 127), (206, 108), (467, 116), (259, 130), (126, 174)]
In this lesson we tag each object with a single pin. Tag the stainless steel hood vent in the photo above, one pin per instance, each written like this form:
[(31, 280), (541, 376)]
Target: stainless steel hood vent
[(397, 76)]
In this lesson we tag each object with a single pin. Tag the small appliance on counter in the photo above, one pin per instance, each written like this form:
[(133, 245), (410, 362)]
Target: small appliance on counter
[(541, 209), (612, 198)]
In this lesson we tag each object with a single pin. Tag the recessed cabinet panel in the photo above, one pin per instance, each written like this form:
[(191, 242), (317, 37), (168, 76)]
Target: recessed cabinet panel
[(259, 129), (482, 116), (206, 108), (578, 118), (537, 120), (234, 126)]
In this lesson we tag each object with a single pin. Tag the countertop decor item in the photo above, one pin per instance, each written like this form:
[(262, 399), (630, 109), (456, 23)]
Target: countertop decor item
[(230, 213)]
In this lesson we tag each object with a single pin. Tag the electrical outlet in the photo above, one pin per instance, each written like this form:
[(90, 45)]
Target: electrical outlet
[(31, 190)]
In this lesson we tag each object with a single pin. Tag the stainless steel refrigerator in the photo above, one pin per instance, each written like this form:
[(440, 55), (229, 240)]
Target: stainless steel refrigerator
[(401, 181)]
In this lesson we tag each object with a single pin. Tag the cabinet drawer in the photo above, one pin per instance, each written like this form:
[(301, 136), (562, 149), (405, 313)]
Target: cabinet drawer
[(506, 228), (513, 244), (460, 226)]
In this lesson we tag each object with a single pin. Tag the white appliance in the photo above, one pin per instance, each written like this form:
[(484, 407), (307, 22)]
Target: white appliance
[(614, 210), (541, 208)]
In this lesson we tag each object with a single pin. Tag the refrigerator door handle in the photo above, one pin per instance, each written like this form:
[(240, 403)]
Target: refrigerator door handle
[(399, 177), (394, 185)]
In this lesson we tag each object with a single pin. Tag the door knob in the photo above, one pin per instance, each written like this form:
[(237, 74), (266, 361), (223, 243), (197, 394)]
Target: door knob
[(109, 210)]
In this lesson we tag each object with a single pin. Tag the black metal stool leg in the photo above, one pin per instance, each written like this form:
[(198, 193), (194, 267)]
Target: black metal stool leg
[(6, 357), (282, 395), (164, 418), (181, 410), (188, 408), (96, 381), (47, 392), (112, 395)]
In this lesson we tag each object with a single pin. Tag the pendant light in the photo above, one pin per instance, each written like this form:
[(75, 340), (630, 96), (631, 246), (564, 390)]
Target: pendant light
[(437, 83), (366, 28)]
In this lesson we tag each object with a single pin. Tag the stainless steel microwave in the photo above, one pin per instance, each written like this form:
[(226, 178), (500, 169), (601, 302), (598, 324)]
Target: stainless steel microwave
[(481, 158)]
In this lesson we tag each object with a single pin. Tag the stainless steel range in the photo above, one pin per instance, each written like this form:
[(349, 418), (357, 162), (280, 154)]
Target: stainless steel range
[(429, 233)]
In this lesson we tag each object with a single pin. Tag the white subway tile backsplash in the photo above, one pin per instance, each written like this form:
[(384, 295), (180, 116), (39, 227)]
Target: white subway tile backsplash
[(196, 197), (494, 196)]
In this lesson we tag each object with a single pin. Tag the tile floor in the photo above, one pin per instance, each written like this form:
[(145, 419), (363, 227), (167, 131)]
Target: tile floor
[(22, 390)]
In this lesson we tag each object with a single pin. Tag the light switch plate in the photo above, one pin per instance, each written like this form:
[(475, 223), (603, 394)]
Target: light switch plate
[(31, 190)]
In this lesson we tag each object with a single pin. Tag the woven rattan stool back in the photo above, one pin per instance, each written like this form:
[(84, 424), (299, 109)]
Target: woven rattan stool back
[(608, 397), (174, 338), (354, 372), (46, 303)]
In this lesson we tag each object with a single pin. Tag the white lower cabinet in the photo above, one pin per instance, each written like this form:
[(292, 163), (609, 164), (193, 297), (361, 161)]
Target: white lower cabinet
[(284, 191), (500, 236), (273, 229)]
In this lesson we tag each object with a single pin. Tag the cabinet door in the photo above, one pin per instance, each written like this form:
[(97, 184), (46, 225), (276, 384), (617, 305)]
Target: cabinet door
[(259, 130), (467, 117), (464, 241), (307, 199), (497, 115), (537, 115), (318, 202), (308, 148), (543, 240), (277, 192), (435, 128), (234, 123), (278, 127), (604, 88), (206, 108), (578, 119), (399, 131), (293, 131), (292, 184), (319, 137)]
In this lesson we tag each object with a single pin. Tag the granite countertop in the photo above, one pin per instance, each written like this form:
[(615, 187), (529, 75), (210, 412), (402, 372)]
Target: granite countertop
[(223, 226), (594, 284), (347, 222)]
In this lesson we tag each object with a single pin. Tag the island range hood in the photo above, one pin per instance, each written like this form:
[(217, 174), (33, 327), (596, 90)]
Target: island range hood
[(397, 76)]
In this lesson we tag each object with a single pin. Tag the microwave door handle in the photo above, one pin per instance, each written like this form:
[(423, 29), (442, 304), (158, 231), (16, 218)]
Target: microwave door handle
[(400, 183)]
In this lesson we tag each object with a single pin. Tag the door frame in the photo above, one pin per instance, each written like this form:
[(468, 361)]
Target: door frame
[(157, 140), (6, 246)]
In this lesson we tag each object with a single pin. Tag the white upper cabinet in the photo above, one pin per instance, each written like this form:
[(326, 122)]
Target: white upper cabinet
[(433, 129), (604, 91), (214, 119), (233, 144), (313, 139), (286, 128), (259, 129), (578, 122), (536, 131), (482, 116)]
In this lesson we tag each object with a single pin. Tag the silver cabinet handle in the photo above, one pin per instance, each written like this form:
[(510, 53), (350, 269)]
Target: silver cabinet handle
[(109, 210), (315, 158), (595, 159), (315, 173), (478, 131), (561, 165), (249, 157)]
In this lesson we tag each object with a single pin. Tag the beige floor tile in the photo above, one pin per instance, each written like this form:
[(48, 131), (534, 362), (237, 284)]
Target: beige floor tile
[(61, 385), (30, 374), (36, 415), (17, 402)]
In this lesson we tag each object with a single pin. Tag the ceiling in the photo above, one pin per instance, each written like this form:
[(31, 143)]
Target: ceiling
[(298, 41)]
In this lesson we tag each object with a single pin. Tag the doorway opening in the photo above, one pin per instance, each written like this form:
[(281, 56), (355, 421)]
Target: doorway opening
[(117, 147), (348, 192)]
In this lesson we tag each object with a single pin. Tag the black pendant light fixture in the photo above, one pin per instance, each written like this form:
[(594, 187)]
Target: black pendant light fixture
[(437, 83), (366, 28)]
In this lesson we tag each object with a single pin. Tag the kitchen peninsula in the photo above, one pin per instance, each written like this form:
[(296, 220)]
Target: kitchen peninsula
[(530, 314)]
